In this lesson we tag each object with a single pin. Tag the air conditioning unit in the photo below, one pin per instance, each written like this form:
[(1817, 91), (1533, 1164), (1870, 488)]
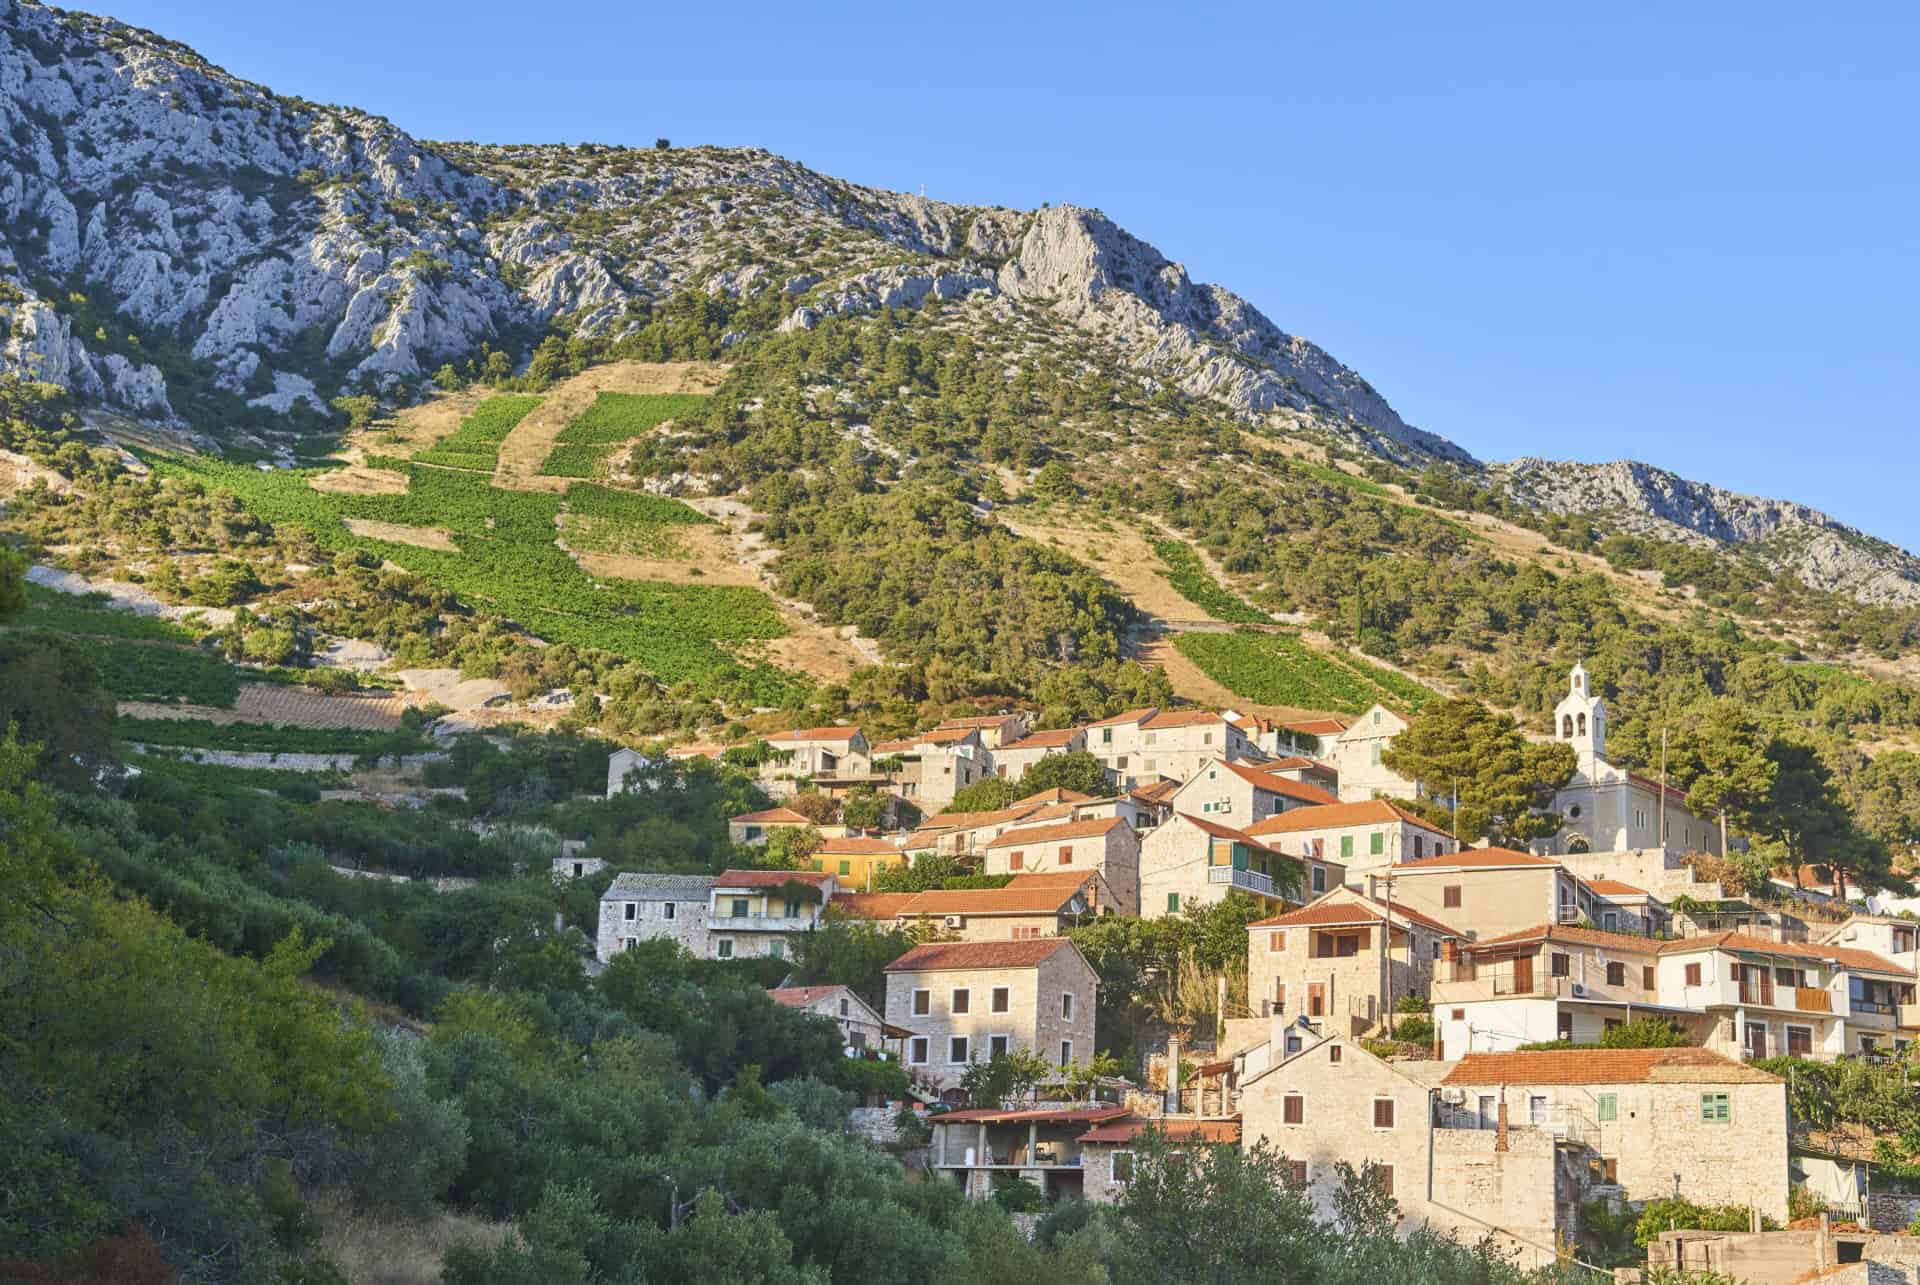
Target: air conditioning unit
[(955, 921), (1453, 1097), (1579, 991)]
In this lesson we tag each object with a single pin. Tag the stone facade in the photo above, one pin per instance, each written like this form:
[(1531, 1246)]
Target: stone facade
[(640, 907), (967, 1000), (1357, 753), (1186, 861), (1325, 962), (576, 867), (1238, 795), (1364, 836), (1013, 759), (1177, 744), (1104, 844), (1488, 892), (861, 1026)]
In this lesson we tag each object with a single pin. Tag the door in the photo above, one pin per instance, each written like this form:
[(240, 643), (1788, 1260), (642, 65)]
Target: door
[(1756, 1039), (1489, 1113), (1316, 999), (1564, 1026), (1523, 975)]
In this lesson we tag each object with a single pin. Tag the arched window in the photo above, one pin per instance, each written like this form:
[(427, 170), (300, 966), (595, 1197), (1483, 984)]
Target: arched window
[(1576, 682), (1583, 725), (1566, 727)]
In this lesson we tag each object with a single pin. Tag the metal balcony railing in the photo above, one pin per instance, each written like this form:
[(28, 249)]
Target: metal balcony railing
[(1249, 880)]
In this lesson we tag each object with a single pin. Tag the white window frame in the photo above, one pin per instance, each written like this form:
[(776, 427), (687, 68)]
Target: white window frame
[(1000, 999), (957, 1005), (1066, 1006), (916, 1008), (925, 1044), (966, 1050), (1066, 1053), (1005, 1040)]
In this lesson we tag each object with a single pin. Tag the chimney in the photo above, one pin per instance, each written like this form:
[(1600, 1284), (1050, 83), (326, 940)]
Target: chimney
[(1173, 1074), (1500, 1139)]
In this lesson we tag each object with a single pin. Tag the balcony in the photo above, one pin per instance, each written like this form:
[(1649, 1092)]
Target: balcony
[(1245, 880), (761, 923), (1811, 999), (1910, 1016)]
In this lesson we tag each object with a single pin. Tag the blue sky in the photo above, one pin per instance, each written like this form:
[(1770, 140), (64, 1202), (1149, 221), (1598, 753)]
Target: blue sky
[(1688, 239)]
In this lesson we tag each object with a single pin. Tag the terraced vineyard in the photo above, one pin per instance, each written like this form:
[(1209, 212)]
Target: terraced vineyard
[(507, 561), (1189, 578), (199, 734), (583, 446), (90, 615), (1279, 669), (136, 671), (476, 443), (601, 519)]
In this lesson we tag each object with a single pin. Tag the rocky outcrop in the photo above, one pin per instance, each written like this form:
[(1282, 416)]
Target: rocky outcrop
[(1635, 497)]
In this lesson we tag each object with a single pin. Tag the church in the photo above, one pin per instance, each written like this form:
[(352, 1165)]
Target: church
[(1607, 808)]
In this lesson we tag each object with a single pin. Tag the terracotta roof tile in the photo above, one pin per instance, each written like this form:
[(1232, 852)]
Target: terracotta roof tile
[(1159, 792), (1131, 716), (1614, 888), (871, 905), (1043, 834), (1029, 900), (1345, 906), (1174, 1130), (1056, 795), (1227, 832), (1182, 718), (1476, 858), (783, 816), (1318, 726), (817, 734), (943, 956), (1571, 935), (1037, 1115), (857, 846), (1264, 780), (1862, 961), (1051, 879), (1335, 816), (801, 996), (1048, 740), (1605, 1066)]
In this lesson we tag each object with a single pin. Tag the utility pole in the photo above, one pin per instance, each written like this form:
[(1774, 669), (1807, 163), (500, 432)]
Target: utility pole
[(1663, 788), (1386, 956), (1456, 814)]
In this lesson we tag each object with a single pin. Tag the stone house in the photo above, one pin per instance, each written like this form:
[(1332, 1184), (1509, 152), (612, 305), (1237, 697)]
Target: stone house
[(576, 866), (820, 752), (966, 834), (855, 861), (1239, 794), (1013, 759), (1790, 997), (1489, 892), (861, 1025), (1894, 939), (1036, 1144), (1343, 961), (1548, 982), (751, 828), (1357, 755), (622, 765), (1621, 907), (994, 730), (1175, 743), (1317, 738), (1116, 743), (1106, 1150), (1364, 836), (1105, 844), (1190, 861), (1307, 771), (640, 907), (967, 1001), (934, 766), (758, 912), (1651, 1123)]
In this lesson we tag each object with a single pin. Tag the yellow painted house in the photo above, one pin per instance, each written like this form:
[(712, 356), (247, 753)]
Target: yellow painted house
[(855, 862)]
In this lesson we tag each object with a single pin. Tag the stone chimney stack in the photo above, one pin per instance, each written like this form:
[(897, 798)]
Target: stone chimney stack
[(1500, 1140)]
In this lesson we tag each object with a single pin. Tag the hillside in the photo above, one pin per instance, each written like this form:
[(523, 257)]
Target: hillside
[(1006, 453)]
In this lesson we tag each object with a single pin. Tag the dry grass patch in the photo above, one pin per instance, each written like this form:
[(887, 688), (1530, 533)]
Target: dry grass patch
[(358, 479), (283, 706), (532, 440), (1124, 558), (376, 1251), (419, 428), (423, 537), (701, 555)]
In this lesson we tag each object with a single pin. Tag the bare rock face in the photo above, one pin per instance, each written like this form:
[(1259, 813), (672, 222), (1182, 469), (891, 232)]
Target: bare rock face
[(1825, 553)]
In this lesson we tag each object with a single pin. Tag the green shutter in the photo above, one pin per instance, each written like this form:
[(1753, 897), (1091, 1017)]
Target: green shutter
[(1173, 903), (846, 867), (1377, 842), (1609, 1107), (1715, 1108), (1346, 845)]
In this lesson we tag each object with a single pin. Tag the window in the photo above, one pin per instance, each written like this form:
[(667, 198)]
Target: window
[(1374, 757), (1319, 876), (1173, 903), (777, 949), (1715, 1108), (1450, 896), (960, 1000), (1333, 1053), (1346, 846), (1800, 1041), (1693, 974), (633, 910), (1386, 1178), (1646, 977), (1123, 1166), (1018, 861), (1277, 941), (1610, 921), (626, 943), (997, 1045), (1001, 997), (724, 950), (1560, 965), (1293, 1109), (1609, 1106), (1026, 932), (1537, 1109), (1066, 854), (843, 1008), (1066, 1052), (740, 908), (753, 832), (667, 909), (922, 1003), (1298, 1176), (846, 867), (1458, 1015), (1066, 1006), (1616, 974), (957, 1050), (1419, 847), (1435, 946), (1377, 843), (1383, 1113), (917, 1050)]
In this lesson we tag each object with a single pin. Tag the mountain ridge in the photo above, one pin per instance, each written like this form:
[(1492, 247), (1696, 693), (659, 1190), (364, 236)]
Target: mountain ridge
[(270, 253)]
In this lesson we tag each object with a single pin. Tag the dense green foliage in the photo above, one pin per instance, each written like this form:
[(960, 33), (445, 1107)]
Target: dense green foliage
[(1078, 771), (476, 443), (1482, 778), (1191, 580), (188, 733)]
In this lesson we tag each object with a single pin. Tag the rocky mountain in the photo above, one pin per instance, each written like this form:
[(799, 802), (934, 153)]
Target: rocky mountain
[(187, 247), (1634, 497)]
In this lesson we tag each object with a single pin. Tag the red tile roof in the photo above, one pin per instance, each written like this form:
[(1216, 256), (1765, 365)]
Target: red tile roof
[(1345, 906), (1862, 961), (1029, 900), (871, 905), (1605, 1066), (943, 956), (1035, 1115), (817, 734), (783, 816), (768, 878), (801, 996), (1228, 833), (1614, 888), (1293, 763), (1048, 740), (1335, 816), (1569, 934), (1182, 718), (1056, 795), (1318, 726), (1131, 716), (1476, 859), (1044, 834), (857, 846), (1174, 1130), (976, 720), (1159, 792), (1264, 780), (1051, 879)]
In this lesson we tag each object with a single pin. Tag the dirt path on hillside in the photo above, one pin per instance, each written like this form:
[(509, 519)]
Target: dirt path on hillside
[(423, 537), (1123, 558), (526, 448)]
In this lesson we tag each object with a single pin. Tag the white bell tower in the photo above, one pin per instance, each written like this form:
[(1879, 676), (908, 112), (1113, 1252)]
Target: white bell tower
[(1581, 718)]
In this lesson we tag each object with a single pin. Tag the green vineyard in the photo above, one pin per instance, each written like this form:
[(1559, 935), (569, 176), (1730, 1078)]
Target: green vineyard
[(476, 443), (583, 446), (1279, 669)]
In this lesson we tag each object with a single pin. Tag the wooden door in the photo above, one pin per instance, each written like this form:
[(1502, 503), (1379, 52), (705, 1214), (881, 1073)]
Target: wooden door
[(1523, 975)]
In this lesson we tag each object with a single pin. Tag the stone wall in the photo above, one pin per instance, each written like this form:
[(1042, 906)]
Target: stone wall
[(1890, 1212)]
